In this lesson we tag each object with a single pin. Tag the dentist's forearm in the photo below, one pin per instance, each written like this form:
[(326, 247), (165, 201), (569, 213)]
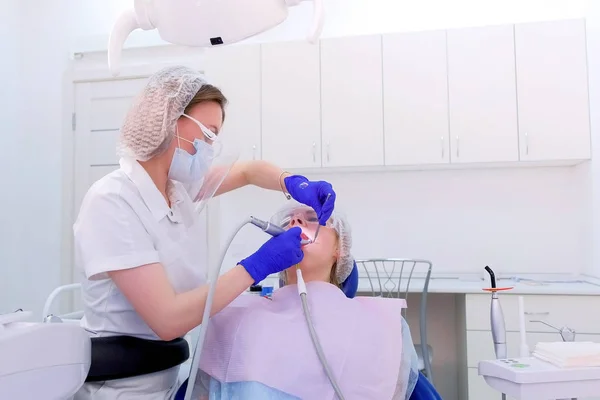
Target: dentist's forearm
[(265, 175), (188, 308), (257, 173), (169, 314)]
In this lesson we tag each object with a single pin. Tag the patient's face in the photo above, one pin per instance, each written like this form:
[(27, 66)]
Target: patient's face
[(319, 256)]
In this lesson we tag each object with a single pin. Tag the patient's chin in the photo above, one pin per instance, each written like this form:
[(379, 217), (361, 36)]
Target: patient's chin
[(313, 263)]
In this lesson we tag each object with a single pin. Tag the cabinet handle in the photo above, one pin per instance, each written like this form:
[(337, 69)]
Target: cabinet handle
[(254, 152), (442, 139), (537, 313), (457, 146), (526, 144), (314, 151), (327, 151)]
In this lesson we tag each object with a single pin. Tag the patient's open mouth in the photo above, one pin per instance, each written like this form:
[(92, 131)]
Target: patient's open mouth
[(304, 236)]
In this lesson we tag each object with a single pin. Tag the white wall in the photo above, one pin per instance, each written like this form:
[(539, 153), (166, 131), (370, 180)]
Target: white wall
[(32, 68), (593, 206), (9, 139), (459, 222), (515, 220)]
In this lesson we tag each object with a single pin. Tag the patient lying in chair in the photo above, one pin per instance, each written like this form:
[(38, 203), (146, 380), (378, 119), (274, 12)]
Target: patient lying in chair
[(259, 348)]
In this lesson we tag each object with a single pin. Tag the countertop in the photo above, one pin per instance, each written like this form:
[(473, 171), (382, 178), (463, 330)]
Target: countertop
[(526, 283), (521, 284)]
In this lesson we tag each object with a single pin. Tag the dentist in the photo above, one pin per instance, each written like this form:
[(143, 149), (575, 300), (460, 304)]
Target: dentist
[(136, 240)]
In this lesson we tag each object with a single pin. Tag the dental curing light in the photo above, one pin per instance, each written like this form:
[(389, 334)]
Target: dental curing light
[(497, 319)]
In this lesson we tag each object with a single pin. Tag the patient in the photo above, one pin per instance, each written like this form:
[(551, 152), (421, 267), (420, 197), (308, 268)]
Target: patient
[(260, 348)]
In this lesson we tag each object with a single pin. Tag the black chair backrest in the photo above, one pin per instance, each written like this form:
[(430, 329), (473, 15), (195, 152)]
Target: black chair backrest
[(118, 357)]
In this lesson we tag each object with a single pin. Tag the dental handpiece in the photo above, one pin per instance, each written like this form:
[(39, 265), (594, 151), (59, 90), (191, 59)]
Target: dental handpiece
[(273, 230)]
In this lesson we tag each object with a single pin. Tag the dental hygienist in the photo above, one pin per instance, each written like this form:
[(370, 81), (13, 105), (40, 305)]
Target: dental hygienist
[(135, 237)]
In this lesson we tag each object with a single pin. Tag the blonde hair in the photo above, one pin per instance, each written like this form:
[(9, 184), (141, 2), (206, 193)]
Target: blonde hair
[(332, 276), (208, 93)]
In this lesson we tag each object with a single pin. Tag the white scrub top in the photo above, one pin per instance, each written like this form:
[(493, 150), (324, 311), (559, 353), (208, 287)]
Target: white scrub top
[(125, 222)]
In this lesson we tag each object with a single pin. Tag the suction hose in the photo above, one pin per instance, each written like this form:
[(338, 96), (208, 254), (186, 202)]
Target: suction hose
[(314, 336), (206, 315)]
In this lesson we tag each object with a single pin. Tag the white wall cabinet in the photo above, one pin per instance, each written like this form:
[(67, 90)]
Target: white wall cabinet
[(291, 104), (352, 101), (552, 86), (415, 98), (482, 91), (236, 71), (477, 95)]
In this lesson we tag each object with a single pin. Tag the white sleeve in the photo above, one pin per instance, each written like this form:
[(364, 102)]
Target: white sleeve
[(109, 236)]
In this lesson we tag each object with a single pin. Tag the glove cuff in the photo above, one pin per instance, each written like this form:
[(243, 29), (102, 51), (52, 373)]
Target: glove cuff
[(283, 185), (292, 181), (249, 267)]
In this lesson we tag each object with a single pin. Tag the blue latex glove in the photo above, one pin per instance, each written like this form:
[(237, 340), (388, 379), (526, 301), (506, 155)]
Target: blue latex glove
[(277, 254), (313, 194)]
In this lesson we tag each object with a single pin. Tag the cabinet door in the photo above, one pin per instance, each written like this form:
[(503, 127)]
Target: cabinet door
[(351, 101), (552, 88), (482, 92), (236, 71), (291, 104), (415, 98)]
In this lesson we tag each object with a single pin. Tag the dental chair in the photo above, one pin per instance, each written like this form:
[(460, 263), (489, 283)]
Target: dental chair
[(118, 357), (391, 277), (125, 357), (423, 390), (41, 361)]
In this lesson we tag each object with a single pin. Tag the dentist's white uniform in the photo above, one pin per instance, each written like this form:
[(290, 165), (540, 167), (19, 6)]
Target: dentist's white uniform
[(125, 222)]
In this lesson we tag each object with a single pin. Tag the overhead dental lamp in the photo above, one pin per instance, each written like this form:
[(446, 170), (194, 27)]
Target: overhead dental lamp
[(203, 23)]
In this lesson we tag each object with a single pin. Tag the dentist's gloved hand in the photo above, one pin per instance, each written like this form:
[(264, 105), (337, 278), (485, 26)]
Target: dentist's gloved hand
[(313, 194), (277, 254)]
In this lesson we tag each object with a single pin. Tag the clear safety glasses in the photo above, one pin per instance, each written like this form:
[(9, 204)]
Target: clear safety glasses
[(303, 217), (210, 137)]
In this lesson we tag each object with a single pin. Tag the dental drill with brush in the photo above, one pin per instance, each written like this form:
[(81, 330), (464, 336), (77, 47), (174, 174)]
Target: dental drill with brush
[(275, 230)]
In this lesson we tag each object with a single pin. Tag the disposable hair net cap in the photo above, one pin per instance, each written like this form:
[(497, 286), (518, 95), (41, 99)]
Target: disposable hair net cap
[(150, 123), (339, 223), (345, 261)]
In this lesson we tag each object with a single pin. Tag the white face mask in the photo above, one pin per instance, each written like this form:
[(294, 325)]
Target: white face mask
[(189, 168)]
